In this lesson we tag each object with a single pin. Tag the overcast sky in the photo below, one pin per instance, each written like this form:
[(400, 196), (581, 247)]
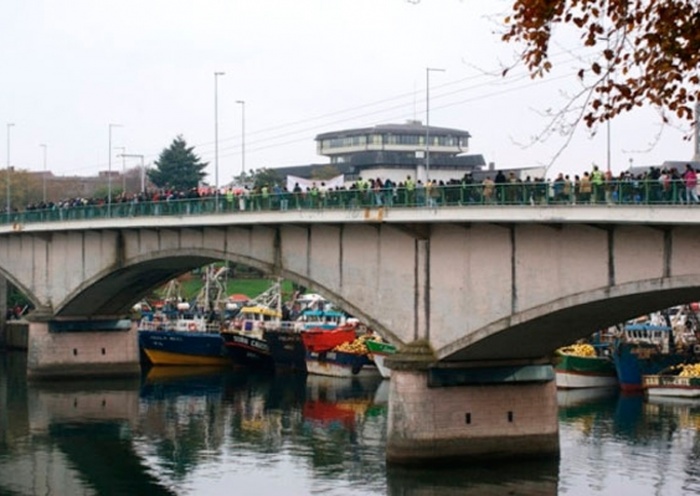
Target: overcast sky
[(69, 68)]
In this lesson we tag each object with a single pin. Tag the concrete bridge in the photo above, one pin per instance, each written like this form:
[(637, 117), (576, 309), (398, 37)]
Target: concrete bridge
[(478, 297)]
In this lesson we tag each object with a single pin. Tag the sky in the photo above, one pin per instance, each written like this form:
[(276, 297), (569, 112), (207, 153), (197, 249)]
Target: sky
[(74, 73)]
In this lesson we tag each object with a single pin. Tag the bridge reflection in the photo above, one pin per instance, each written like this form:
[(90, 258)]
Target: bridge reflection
[(153, 435), (161, 433)]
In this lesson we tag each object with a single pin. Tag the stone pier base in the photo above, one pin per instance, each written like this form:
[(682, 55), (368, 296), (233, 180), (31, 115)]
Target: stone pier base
[(82, 349), (438, 416)]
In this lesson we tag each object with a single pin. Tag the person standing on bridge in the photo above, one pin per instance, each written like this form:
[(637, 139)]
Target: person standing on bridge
[(690, 180), (410, 186), (597, 180)]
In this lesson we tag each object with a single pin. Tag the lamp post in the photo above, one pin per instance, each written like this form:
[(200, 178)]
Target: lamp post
[(7, 206), (109, 172), (44, 174), (143, 178), (123, 149), (428, 70), (216, 137), (242, 104)]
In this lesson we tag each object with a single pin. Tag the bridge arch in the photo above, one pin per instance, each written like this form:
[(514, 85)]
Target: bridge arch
[(536, 332), (114, 292)]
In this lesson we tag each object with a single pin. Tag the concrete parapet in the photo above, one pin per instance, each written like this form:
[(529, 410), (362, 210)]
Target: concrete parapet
[(509, 416)]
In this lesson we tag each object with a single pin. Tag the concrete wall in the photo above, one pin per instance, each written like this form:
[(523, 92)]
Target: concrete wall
[(92, 354), (17, 334)]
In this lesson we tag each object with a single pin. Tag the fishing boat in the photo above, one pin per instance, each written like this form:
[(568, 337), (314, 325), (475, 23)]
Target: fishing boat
[(285, 341), (650, 346), (244, 337), (186, 342), (379, 350), (338, 353), (340, 364), (176, 334), (584, 365), (680, 381)]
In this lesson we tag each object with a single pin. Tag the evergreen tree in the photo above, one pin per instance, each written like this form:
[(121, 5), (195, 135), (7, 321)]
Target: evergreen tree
[(177, 167)]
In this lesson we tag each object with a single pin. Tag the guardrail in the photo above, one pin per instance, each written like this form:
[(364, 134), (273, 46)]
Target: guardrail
[(643, 193)]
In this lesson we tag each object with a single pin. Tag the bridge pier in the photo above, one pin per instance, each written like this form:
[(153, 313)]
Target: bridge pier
[(82, 348), (440, 414)]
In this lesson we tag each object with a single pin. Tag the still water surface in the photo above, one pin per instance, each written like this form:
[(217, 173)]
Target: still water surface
[(214, 432)]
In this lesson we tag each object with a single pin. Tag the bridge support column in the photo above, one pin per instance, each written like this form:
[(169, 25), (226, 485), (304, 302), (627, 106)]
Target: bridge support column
[(87, 348), (439, 415)]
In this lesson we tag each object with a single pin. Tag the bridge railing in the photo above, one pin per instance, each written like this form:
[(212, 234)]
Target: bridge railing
[(462, 195)]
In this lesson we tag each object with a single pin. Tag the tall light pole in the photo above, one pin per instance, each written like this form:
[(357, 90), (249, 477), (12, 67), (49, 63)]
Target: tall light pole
[(428, 70), (216, 137), (44, 174), (242, 104), (7, 206), (143, 177), (123, 149), (607, 122), (109, 172)]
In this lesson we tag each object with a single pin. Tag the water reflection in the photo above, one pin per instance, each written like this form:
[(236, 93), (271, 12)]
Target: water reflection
[(492, 479), (214, 431), (627, 444)]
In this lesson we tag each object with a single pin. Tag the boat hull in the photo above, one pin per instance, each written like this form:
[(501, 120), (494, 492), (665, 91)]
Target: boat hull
[(384, 371), (287, 350), (379, 351), (573, 372), (634, 360), (319, 341), (183, 348), (673, 386), (340, 364), (249, 351)]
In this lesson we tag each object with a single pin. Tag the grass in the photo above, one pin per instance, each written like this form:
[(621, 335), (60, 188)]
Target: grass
[(191, 286)]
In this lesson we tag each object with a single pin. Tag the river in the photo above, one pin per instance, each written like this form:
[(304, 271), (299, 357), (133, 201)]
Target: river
[(220, 432)]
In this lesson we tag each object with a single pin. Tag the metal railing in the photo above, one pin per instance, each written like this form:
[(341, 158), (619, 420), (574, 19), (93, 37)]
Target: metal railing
[(643, 193)]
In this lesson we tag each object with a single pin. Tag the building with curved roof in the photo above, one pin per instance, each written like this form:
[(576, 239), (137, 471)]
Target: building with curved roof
[(396, 150)]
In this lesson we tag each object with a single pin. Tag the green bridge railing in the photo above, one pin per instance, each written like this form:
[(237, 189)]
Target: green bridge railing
[(642, 193)]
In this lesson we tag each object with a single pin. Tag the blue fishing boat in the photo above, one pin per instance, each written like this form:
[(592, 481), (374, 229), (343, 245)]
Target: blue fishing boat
[(180, 333), (183, 346), (647, 348)]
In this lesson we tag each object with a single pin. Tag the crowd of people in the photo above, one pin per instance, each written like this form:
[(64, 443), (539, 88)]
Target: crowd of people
[(657, 185)]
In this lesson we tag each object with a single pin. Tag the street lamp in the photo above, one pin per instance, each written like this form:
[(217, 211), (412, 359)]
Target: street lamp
[(143, 178), (123, 149), (216, 136), (44, 175), (109, 172), (242, 104), (428, 70), (7, 206)]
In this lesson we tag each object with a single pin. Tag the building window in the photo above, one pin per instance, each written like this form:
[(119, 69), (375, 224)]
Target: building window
[(408, 139), (344, 142)]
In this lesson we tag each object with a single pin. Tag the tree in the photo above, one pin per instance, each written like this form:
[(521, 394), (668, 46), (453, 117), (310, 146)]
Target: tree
[(264, 176), (325, 172), (648, 51), (177, 167)]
